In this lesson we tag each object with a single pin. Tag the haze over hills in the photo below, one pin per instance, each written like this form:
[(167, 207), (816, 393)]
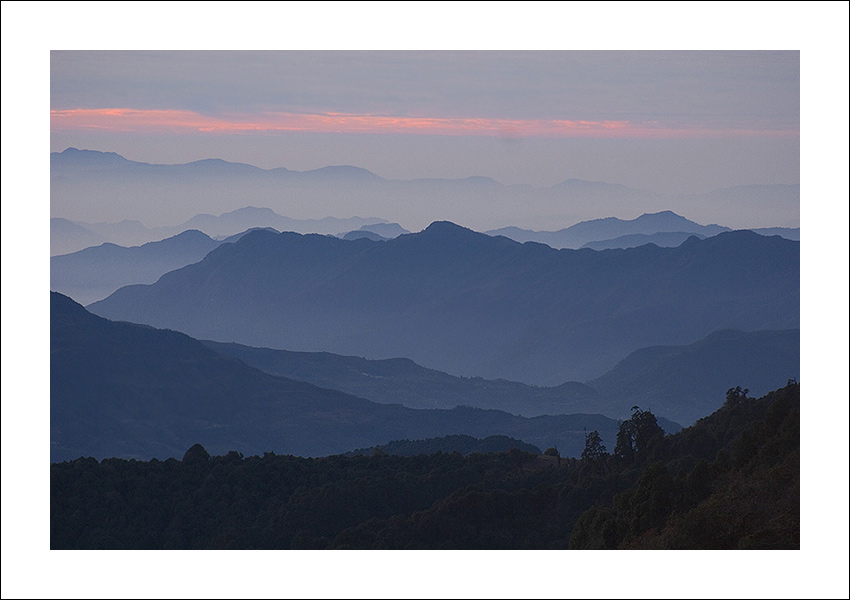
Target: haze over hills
[(400, 380), (664, 239), (386, 230), (249, 217), (471, 304), (683, 383), (132, 391), (686, 383), (611, 228), (94, 273), (68, 236), (161, 195), (361, 235)]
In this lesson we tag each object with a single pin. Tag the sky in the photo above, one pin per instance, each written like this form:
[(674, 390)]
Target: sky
[(666, 121), (32, 30)]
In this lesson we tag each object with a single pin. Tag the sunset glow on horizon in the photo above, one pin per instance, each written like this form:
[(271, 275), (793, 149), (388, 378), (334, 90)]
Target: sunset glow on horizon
[(174, 121)]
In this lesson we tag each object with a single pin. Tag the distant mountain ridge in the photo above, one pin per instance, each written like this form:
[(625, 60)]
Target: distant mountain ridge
[(610, 228), (664, 239), (116, 188), (68, 236), (94, 273), (471, 304)]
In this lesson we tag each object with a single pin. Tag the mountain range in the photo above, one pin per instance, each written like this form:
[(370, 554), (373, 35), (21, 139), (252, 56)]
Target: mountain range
[(109, 185), (94, 273), (71, 236), (682, 383), (472, 304), (664, 239), (664, 228), (132, 391)]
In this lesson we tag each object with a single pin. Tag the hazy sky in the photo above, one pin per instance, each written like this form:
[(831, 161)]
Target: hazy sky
[(676, 122)]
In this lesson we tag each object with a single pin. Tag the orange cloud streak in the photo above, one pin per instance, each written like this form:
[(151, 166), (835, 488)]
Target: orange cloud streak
[(174, 121)]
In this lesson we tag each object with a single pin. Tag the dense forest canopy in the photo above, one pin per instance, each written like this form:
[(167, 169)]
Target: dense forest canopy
[(729, 481)]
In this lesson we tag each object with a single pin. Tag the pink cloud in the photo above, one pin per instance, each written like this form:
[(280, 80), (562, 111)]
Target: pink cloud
[(140, 121)]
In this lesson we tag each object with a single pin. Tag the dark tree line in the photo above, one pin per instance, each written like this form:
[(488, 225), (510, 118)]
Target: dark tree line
[(731, 480)]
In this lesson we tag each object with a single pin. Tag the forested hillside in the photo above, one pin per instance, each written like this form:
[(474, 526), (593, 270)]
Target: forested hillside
[(729, 481)]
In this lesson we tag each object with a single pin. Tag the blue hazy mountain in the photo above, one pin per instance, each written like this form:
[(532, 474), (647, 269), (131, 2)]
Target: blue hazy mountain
[(67, 236), (115, 188), (402, 381), (131, 391), (789, 233), (385, 230), (472, 304), (249, 217), (94, 273), (71, 236), (664, 239), (378, 232), (686, 383), (611, 228), (364, 235), (682, 383)]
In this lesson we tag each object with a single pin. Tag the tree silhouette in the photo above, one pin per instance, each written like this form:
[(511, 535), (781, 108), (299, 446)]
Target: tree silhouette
[(638, 434), (736, 396), (593, 447)]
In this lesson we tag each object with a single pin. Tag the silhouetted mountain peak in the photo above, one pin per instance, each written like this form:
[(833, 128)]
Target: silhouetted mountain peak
[(75, 156), (191, 234), (447, 228), (252, 210), (446, 234), (661, 215), (344, 171), (60, 304)]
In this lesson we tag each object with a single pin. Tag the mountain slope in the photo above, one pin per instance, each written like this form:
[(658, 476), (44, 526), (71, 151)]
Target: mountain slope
[(471, 304), (94, 273), (67, 236), (402, 381), (682, 383), (125, 390), (686, 383)]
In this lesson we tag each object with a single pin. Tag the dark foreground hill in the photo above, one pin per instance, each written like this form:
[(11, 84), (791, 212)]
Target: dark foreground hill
[(730, 481), (132, 391), (471, 304)]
